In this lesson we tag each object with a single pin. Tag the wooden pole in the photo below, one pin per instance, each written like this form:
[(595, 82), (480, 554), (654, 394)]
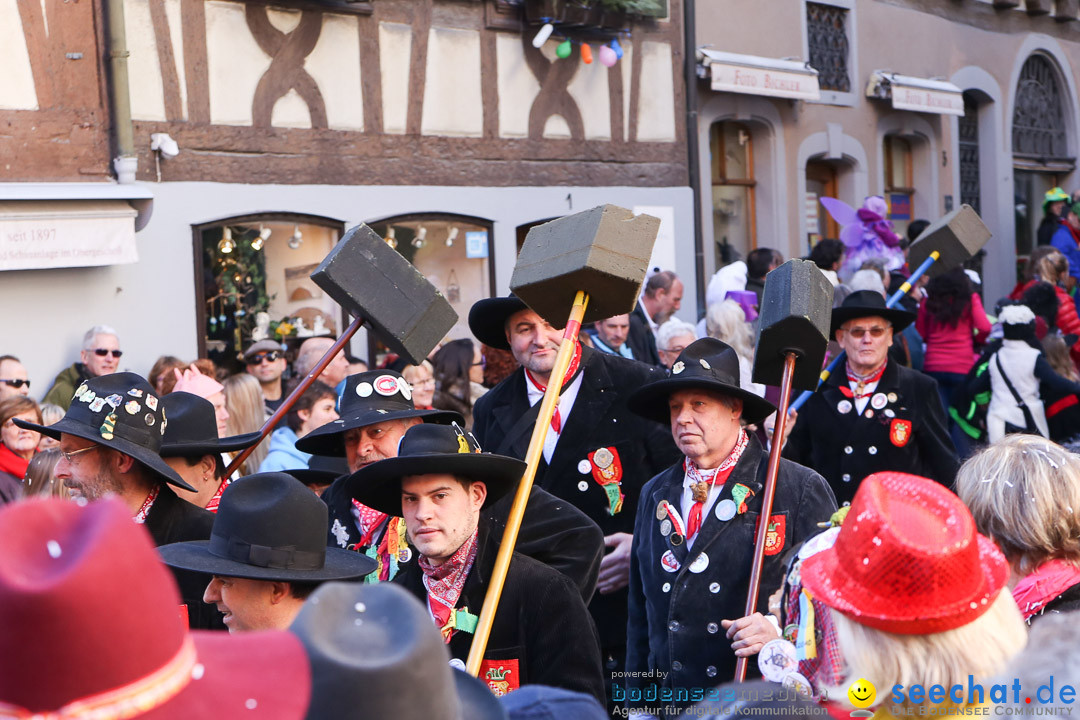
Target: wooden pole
[(767, 499), (289, 401), (521, 497)]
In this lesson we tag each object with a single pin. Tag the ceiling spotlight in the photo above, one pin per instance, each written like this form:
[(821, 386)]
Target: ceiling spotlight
[(264, 235), (451, 237), (418, 241), (391, 237), (226, 244), (297, 238)]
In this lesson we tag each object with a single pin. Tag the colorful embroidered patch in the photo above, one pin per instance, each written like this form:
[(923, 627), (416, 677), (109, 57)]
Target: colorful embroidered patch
[(108, 427), (502, 676), (740, 494), (899, 432), (607, 471), (774, 535)]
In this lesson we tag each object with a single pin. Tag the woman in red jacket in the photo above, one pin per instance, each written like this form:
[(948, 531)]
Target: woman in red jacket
[(951, 321), (1052, 267)]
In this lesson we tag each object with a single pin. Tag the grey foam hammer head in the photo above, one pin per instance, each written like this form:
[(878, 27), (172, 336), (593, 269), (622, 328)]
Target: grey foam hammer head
[(604, 251), (373, 281), (796, 309), (957, 236)]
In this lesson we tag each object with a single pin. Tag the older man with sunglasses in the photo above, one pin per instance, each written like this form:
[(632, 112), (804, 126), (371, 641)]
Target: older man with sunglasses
[(13, 378), (872, 414), (100, 356)]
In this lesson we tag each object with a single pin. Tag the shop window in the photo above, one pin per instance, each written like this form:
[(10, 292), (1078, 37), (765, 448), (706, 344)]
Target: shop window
[(821, 181), (733, 183), (827, 43), (899, 182)]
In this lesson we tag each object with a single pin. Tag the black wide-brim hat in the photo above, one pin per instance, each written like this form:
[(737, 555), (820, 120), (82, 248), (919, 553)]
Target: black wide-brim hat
[(368, 398), (487, 319), (321, 470), (429, 450), (122, 412), (869, 303), (706, 364), (192, 429), (269, 526)]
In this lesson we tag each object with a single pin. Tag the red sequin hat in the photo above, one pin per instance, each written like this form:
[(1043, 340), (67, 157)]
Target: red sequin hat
[(907, 559)]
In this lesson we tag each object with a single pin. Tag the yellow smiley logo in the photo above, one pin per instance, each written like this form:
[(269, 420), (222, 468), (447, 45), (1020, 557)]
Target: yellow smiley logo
[(861, 693)]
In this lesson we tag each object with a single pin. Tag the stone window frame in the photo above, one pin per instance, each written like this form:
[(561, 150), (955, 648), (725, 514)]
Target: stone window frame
[(833, 97)]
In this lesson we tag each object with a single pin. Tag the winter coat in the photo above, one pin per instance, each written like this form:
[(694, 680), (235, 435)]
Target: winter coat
[(283, 454), (64, 385)]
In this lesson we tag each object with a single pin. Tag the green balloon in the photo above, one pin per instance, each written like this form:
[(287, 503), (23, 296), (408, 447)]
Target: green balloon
[(564, 49)]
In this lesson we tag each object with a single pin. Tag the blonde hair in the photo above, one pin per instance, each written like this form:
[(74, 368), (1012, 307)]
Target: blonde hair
[(244, 401), (1024, 492), (409, 371), (1051, 266), (51, 414), (981, 648), (1057, 354), (726, 321), (41, 477)]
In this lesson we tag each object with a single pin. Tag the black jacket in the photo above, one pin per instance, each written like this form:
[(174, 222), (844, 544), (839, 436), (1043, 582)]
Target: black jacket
[(552, 531), (641, 339), (541, 625), (172, 520), (599, 419), (1066, 602), (675, 617), (909, 434)]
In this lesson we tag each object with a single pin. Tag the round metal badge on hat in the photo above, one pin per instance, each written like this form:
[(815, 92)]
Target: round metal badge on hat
[(677, 368), (776, 659), (364, 389), (405, 388), (386, 385)]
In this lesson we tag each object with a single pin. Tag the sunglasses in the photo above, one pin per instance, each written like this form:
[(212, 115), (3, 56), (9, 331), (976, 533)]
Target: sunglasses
[(258, 358), (875, 332), (102, 352), (16, 383)]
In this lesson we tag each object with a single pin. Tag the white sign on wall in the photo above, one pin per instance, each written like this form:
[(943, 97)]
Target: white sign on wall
[(57, 234)]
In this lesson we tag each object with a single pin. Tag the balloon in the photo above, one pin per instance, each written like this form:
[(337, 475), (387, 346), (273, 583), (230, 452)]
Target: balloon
[(564, 50), (543, 35), (608, 58), (617, 48), (586, 53)]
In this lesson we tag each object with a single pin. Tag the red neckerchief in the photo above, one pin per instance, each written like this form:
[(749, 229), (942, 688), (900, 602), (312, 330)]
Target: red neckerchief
[(140, 517), (445, 582), (704, 480), (1051, 579), (862, 382), (1075, 234), (212, 506), (370, 521), (575, 361), (12, 463)]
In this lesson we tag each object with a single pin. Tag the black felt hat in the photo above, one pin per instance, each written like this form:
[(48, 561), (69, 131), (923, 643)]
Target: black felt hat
[(487, 319), (427, 450), (869, 303), (269, 526), (192, 429), (119, 411), (706, 364), (368, 398), (320, 470)]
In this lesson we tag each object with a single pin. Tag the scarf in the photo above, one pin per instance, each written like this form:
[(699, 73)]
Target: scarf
[(702, 481), (212, 506), (12, 463), (575, 362), (1051, 579), (861, 382), (444, 585), (140, 517)]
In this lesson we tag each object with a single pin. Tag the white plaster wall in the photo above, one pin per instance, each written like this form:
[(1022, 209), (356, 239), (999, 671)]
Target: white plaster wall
[(144, 70), (656, 98), (518, 87), (335, 65), (17, 92), (152, 303), (452, 100), (395, 49), (589, 88), (235, 63)]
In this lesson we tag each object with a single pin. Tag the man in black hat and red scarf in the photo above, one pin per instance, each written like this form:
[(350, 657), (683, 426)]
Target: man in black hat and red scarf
[(376, 409), (695, 529), (597, 455), (110, 440), (439, 481), (872, 414)]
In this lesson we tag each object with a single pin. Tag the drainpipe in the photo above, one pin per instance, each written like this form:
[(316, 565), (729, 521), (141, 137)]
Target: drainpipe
[(125, 163), (693, 159)]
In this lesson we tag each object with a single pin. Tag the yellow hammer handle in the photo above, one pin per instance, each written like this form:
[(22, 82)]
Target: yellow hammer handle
[(532, 458)]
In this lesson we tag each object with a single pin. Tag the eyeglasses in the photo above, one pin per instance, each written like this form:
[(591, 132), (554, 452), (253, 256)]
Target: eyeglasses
[(430, 382), (875, 332), (68, 455), (482, 363), (16, 383), (258, 358), (674, 350), (102, 352)]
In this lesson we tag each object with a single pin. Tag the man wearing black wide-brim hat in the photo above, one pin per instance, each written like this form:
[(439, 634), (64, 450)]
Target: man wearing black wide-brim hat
[(376, 409), (439, 482), (110, 441), (696, 523), (872, 414)]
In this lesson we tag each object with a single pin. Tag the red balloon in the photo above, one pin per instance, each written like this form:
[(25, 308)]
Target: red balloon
[(586, 53)]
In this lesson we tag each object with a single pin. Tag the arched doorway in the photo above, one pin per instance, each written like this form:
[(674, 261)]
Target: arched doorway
[(1042, 157)]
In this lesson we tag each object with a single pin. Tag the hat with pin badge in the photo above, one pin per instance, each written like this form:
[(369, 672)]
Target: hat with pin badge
[(705, 364), (368, 398), (120, 411)]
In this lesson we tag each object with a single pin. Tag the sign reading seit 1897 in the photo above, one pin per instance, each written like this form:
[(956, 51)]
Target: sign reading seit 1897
[(764, 81)]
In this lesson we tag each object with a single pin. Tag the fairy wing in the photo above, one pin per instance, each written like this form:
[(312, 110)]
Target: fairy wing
[(840, 211)]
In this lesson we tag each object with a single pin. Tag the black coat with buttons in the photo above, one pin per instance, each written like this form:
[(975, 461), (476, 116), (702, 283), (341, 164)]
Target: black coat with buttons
[(907, 434), (675, 616), (599, 419)]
